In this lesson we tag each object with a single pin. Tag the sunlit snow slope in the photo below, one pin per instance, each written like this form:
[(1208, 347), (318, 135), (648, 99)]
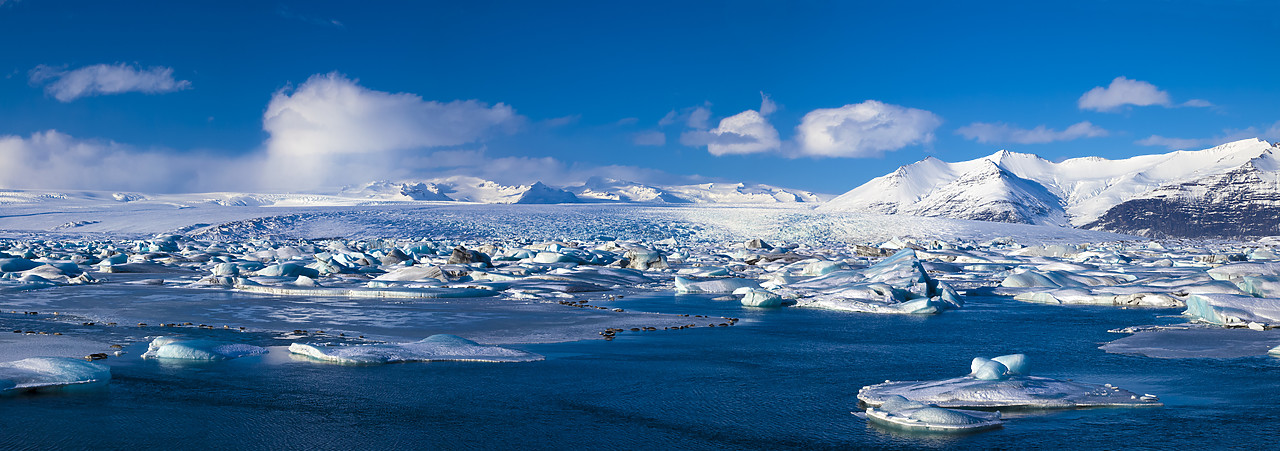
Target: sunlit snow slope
[(1224, 191)]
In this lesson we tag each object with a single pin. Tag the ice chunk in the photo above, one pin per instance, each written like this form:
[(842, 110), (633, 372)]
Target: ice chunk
[(434, 348), (988, 370), (897, 284), (1006, 391), (754, 297), (900, 412), (1189, 342), (725, 285), (1016, 364), (37, 373), (822, 268), (1233, 309), (645, 259), (389, 293), (178, 348)]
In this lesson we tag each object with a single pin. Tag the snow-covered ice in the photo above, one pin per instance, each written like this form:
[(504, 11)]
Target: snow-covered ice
[(899, 412), (49, 373), (170, 347), (991, 384), (440, 347)]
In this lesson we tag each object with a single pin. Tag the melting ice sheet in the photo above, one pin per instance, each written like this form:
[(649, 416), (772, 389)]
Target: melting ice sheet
[(1196, 342), (434, 348), (42, 373)]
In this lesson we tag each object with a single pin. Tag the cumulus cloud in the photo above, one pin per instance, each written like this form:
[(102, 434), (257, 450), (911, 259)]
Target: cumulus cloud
[(326, 133), (331, 114), (1271, 133), (743, 133), (331, 127), (1123, 91), (650, 138), (863, 129), (105, 79), (998, 132)]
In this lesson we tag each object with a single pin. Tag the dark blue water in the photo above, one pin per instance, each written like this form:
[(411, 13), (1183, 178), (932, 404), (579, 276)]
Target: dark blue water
[(783, 378)]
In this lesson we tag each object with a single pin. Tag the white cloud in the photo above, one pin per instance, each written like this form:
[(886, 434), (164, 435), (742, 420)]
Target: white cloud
[(104, 79), (327, 133), (767, 106), (863, 129), (1197, 103), (331, 114), (55, 160), (1121, 92), (984, 132), (1272, 133), (331, 127), (650, 138), (743, 133), (696, 117)]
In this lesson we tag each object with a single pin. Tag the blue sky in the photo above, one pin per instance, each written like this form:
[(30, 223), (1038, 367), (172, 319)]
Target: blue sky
[(189, 96)]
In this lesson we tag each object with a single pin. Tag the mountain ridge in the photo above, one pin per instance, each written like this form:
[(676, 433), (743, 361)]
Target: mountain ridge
[(1206, 188)]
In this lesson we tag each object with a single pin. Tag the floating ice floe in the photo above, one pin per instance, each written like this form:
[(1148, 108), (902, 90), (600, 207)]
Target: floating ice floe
[(1002, 382), (899, 412), (897, 284), (719, 285), (442, 347), (49, 373), (179, 348)]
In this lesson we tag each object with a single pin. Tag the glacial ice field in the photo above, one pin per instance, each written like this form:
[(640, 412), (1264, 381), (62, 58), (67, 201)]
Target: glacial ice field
[(480, 326)]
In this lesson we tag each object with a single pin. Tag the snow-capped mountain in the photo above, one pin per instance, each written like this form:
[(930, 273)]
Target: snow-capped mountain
[(595, 190), (1228, 190)]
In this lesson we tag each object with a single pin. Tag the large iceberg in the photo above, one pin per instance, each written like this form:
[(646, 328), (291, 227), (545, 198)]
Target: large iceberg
[(1233, 309), (1002, 382), (434, 348), (179, 348), (897, 284), (46, 373)]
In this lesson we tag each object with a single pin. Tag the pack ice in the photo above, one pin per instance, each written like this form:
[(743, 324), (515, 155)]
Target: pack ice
[(1003, 382), (441, 347), (47, 373)]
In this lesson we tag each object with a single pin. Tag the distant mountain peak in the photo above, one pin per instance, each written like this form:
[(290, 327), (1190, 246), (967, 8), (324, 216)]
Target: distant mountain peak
[(1089, 191)]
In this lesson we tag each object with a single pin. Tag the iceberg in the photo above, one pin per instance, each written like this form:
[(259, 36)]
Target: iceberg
[(723, 285), (48, 373), (1002, 382), (1233, 309), (178, 348), (900, 412), (755, 297), (442, 347), (897, 284)]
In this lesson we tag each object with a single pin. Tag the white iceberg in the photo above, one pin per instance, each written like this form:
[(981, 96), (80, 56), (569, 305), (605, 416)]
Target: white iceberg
[(1233, 309), (897, 284), (46, 373), (755, 297), (899, 412), (1002, 382), (179, 348), (721, 285), (442, 347)]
